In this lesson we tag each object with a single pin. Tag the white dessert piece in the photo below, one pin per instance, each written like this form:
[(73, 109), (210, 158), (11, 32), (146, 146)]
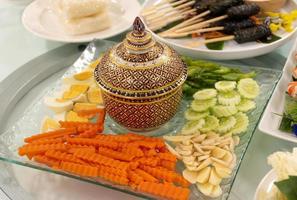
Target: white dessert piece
[(90, 24), (75, 9)]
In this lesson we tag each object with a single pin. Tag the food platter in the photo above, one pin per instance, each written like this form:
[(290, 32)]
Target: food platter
[(265, 186), (41, 21), (270, 121), (231, 50), (49, 81)]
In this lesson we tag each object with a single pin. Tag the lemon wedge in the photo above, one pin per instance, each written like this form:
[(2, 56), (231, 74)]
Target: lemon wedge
[(49, 124)]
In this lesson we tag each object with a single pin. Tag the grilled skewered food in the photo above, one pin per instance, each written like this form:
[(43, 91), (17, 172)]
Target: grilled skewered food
[(243, 11), (251, 34), (232, 25)]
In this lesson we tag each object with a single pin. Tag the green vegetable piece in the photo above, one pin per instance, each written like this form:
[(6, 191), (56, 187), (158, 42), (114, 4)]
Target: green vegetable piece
[(287, 187), (286, 125), (215, 45)]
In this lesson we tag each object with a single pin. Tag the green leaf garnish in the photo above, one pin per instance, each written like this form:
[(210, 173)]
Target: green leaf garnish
[(215, 45)]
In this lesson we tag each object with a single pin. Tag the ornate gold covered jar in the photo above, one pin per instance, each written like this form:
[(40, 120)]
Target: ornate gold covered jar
[(141, 81)]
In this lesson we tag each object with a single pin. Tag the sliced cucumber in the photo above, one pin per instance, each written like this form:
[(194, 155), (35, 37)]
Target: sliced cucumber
[(230, 98), (225, 86), (205, 94), (193, 115), (246, 105), (226, 124), (211, 123), (203, 105), (224, 111), (248, 88), (242, 122), (192, 126)]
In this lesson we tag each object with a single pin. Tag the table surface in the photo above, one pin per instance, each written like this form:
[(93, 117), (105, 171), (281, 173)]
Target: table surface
[(18, 46)]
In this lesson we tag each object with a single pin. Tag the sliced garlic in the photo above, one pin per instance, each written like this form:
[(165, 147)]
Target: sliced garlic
[(172, 150), (204, 164), (203, 175), (204, 157), (199, 138), (218, 152), (214, 178), (216, 191), (205, 188), (190, 176), (177, 138)]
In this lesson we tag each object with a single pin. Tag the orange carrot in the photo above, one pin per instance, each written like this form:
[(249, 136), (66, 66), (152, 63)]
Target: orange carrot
[(41, 148), (58, 155), (149, 161), (47, 161), (78, 149), (51, 134), (88, 134), (115, 154), (92, 142), (113, 178), (146, 176), (79, 169), (136, 152), (134, 177), (83, 113), (150, 152), (112, 170), (160, 173), (49, 141), (164, 190), (167, 156), (168, 164), (101, 160)]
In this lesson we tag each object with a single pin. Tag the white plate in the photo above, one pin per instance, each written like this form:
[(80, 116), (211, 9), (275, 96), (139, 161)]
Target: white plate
[(270, 122), (41, 21), (265, 186), (231, 50)]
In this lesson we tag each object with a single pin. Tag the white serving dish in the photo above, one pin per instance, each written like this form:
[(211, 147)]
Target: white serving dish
[(231, 50), (270, 122), (41, 21), (266, 185)]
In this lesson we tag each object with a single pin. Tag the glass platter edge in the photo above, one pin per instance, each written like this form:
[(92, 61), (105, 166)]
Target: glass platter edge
[(92, 51)]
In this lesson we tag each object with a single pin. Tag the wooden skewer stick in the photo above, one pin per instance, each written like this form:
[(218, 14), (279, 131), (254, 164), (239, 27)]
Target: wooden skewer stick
[(200, 24), (169, 20), (169, 11), (163, 5), (204, 30), (148, 10), (188, 22), (168, 32), (220, 39)]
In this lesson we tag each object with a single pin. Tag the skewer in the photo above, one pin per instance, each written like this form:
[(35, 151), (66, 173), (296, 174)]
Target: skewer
[(169, 12), (242, 11), (178, 35), (191, 21), (147, 11), (220, 39), (163, 22), (240, 36), (165, 6), (200, 24)]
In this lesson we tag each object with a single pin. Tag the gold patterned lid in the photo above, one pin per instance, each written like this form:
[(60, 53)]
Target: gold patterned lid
[(140, 67)]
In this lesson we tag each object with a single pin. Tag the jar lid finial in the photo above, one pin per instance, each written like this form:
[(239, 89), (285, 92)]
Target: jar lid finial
[(138, 26)]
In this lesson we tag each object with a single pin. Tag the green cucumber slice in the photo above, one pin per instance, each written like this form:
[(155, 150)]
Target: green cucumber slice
[(226, 124), (242, 122), (205, 94), (211, 123), (225, 86), (193, 115), (224, 111), (230, 98), (203, 105), (248, 88), (192, 127), (246, 105)]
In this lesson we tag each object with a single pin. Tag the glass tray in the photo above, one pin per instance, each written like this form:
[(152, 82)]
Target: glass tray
[(29, 121)]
